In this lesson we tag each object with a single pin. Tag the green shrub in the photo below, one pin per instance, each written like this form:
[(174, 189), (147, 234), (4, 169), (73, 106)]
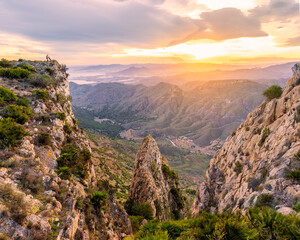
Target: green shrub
[(10, 132), (136, 222), (264, 136), (20, 113), (29, 68), (247, 128), (43, 139), (75, 159), (41, 94), (296, 207), (264, 200), (238, 167), (64, 173), (5, 63), (23, 101), (178, 197), (144, 209), (173, 228), (39, 80), (61, 115), (191, 192), (7, 94), (67, 129), (2, 102), (294, 175), (273, 92), (50, 71), (14, 73), (168, 172), (98, 198)]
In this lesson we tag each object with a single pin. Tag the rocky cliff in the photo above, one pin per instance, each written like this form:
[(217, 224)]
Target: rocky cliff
[(259, 163), (48, 186), (155, 183)]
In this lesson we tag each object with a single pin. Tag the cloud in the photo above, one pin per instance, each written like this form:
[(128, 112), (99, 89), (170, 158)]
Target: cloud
[(225, 23), (292, 42), (128, 22), (276, 10), (135, 23)]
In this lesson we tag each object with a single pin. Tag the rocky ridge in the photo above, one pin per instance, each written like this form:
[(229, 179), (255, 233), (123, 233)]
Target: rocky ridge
[(256, 165), (155, 183), (48, 186)]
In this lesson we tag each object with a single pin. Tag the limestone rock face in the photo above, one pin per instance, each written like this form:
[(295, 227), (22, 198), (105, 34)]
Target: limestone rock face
[(36, 201), (251, 167), (153, 182)]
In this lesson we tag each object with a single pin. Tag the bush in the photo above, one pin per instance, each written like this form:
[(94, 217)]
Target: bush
[(43, 139), (14, 73), (238, 167), (61, 115), (178, 197), (67, 129), (23, 101), (29, 68), (50, 71), (20, 113), (39, 80), (144, 209), (136, 222), (98, 197), (294, 175), (7, 94), (273, 92), (5, 63), (168, 172), (10, 132), (264, 200), (296, 207), (75, 159), (64, 173), (264, 136), (41, 94)]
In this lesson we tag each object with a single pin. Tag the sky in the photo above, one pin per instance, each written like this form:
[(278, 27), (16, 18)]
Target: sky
[(85, 32)]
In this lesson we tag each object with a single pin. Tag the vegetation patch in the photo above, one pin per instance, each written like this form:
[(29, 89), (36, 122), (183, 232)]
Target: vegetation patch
[(272, 92), (98, 198), (61, 115), (238, 167), (12, 73), (27, 67), (256, 224), (10, 132), (294, 175), (168, 172), (7, 94), (77, 160), (41, 94), (43, 139), (23, 101), (40, 80), (64, 173), (264, 200), (264, 136), (20, 114)]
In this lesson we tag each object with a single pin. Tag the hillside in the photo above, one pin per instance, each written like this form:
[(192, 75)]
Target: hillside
[(258, 164), (210, 111), (49, 182)]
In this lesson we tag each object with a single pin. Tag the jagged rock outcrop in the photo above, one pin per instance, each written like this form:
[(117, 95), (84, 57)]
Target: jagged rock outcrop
[(252, 167), (47, 177), (155, 183)]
